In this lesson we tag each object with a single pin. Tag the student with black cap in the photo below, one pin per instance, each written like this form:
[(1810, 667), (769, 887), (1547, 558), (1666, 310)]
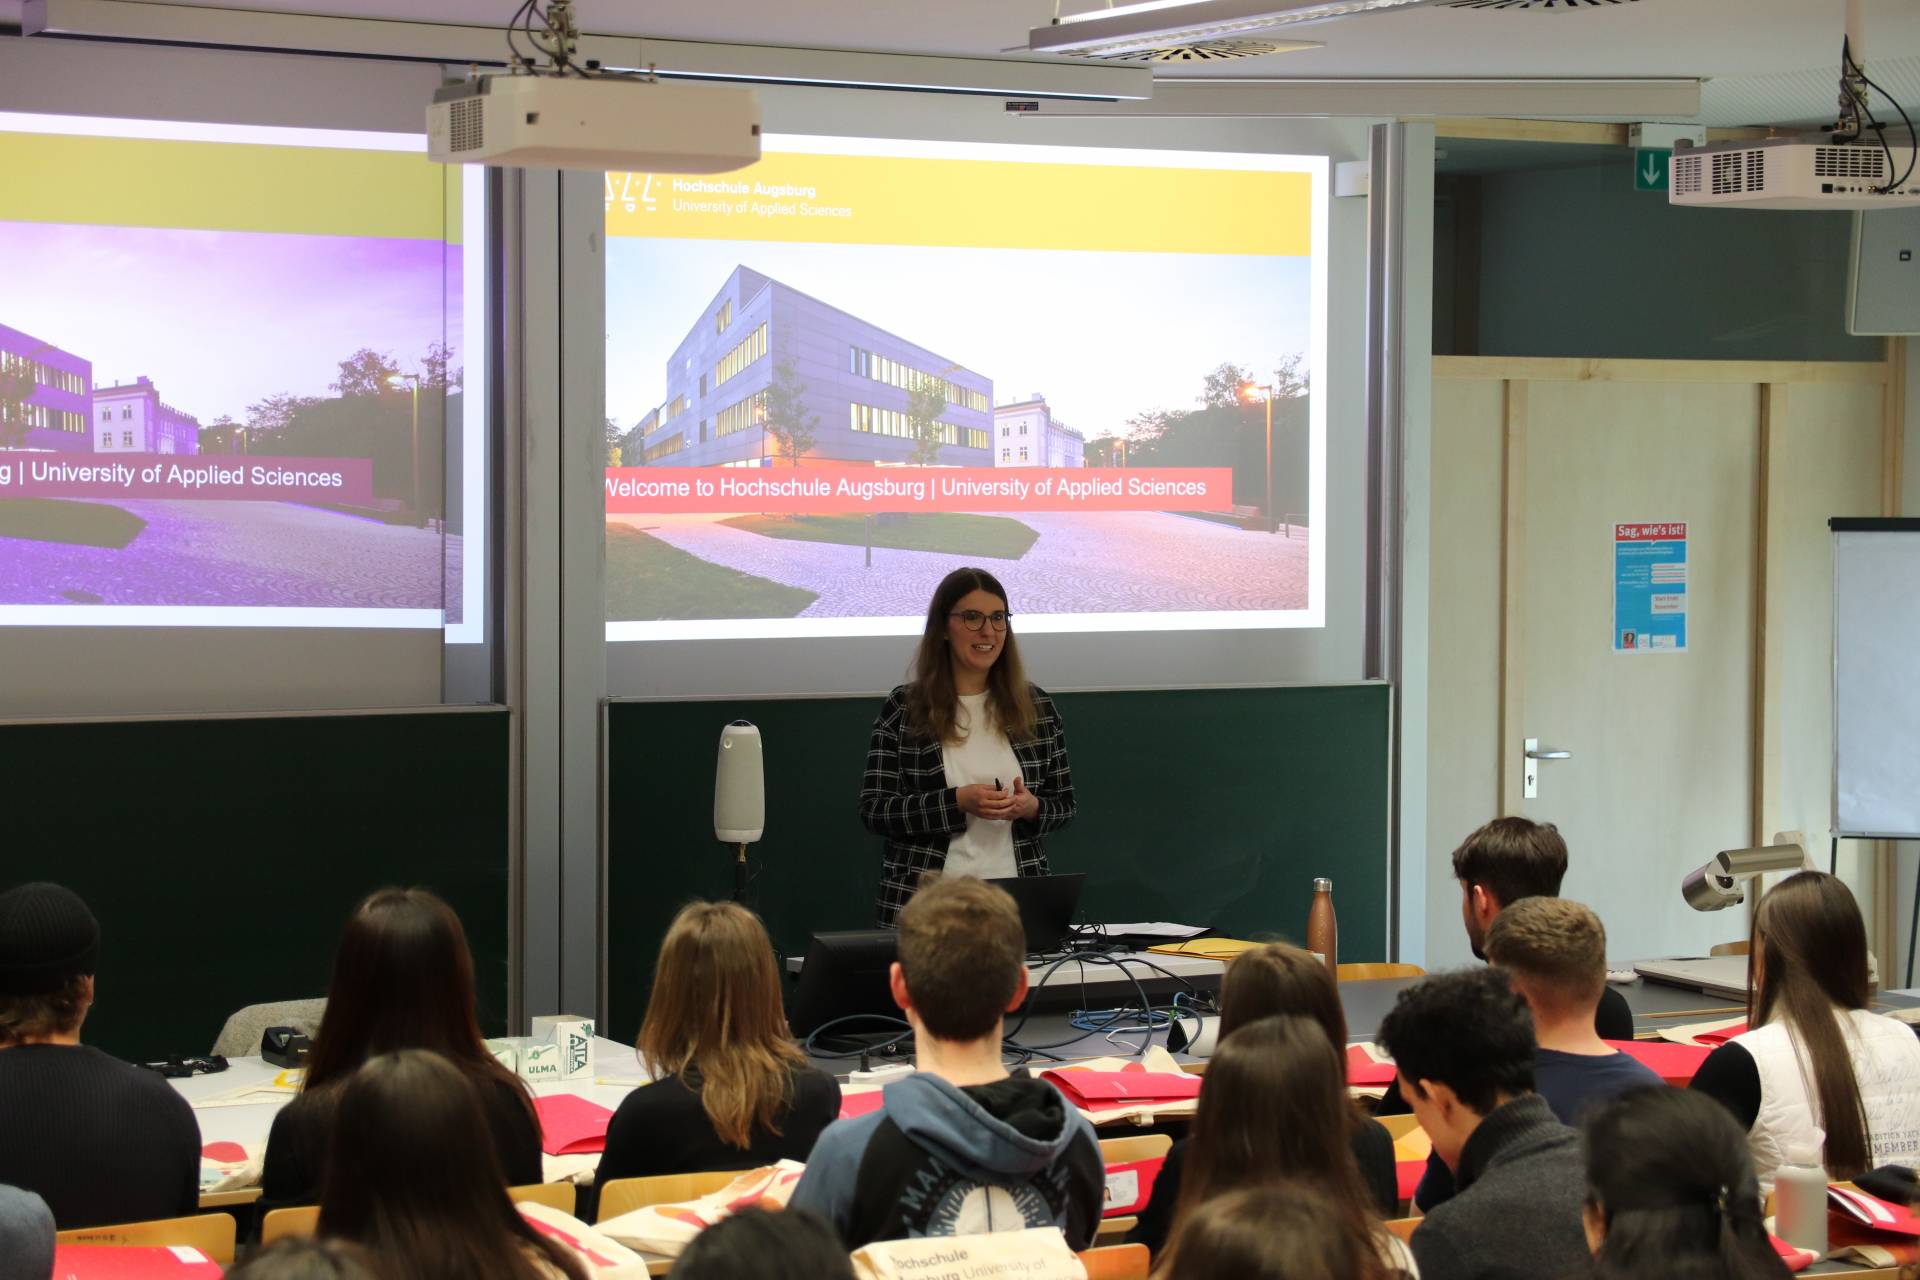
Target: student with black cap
[(100, 1141)]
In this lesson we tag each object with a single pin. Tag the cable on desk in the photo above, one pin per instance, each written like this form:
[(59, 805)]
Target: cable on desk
[(1009, 1039), (812, 1040)]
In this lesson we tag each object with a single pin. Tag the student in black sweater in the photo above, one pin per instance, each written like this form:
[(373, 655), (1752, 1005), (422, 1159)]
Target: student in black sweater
[(732, 1089), (1268, 980), (100, 1141), (402, 979)]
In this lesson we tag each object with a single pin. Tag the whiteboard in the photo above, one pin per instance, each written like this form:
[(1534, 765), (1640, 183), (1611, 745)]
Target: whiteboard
[(1876, 678)]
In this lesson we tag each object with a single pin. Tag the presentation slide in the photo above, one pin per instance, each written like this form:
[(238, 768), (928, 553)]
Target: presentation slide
[(838, 374), (231, 363)]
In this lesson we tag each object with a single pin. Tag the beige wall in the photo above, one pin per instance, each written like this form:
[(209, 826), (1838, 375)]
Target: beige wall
[(1809, 442)]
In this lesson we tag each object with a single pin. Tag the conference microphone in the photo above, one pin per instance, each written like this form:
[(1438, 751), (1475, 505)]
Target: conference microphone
[(739, 796)]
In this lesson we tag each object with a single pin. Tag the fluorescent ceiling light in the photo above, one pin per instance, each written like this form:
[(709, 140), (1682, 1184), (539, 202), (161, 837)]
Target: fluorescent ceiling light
[(1153, 23)]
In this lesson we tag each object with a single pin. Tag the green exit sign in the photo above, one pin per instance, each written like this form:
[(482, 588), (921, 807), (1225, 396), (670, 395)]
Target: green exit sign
[(1650, 168)]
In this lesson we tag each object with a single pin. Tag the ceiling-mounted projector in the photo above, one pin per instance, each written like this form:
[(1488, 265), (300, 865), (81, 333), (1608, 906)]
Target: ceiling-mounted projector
[(625, 124), (1793, 173)]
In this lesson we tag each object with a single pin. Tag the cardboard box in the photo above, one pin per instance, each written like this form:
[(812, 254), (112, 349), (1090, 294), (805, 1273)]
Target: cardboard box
[(572, 1036)]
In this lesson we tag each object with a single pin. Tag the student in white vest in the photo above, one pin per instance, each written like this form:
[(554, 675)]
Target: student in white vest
[(1817, 1069)]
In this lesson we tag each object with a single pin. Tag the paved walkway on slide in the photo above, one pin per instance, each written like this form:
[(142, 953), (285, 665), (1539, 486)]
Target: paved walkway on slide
[(1098, 562), (237, 553)]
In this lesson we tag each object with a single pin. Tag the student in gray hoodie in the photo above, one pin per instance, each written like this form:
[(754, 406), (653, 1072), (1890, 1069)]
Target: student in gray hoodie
[(960, 1147)]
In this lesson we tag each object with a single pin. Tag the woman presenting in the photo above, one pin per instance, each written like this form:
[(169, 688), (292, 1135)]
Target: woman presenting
[(967, 769)]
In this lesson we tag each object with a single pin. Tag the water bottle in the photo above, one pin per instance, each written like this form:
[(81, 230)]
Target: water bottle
[(1323, 934), (1800, 1200)]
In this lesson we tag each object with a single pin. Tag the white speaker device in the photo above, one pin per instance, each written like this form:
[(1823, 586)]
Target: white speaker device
[(739, 796)]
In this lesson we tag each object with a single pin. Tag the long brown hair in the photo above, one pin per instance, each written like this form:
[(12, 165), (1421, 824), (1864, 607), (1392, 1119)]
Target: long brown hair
[(931, 700), (1285, 1229), (715, 1014), (413, 1177), (403, 979), (1808, 954), (1275, 1106)]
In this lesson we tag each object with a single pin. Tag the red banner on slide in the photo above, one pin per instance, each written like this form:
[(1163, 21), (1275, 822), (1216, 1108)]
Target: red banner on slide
[(173, 475), (834, 490)]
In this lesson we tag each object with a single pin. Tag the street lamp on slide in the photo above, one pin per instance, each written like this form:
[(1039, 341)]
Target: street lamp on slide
[(411, 381), (1249, 392)]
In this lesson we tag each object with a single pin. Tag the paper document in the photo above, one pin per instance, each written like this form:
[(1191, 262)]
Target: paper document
[(1149, 929)]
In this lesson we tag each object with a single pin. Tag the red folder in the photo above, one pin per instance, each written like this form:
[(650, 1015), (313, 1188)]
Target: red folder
[(1407, 1175), (1873, 1212), (1674, 1063), (132, 1262), (1796, 1259), (570, 1125), (1363, 1070), (1130, 1186), (1097, 1090), (863, 1103)]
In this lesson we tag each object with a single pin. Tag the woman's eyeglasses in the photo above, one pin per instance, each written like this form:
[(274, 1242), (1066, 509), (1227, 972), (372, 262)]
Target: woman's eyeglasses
[(974, 620)]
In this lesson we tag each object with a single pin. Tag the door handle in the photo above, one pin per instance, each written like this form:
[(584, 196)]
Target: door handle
[(1530, 771)]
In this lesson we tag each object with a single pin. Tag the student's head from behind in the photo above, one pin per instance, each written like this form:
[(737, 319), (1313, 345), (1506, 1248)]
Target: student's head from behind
[(716, 1009), (1555, 953), (1279, 978), (1506, 860), (49, 949), (1809, 954), (1290, 1229), (1275, 1106), (412, 1175), (306, 1258), (962, 962), (402, 979), (1671, 1190), (755, 1244), (949, 644), (1463, 1043)]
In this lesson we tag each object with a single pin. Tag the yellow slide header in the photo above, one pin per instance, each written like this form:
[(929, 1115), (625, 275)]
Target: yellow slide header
[(226, 186), (994, 204)]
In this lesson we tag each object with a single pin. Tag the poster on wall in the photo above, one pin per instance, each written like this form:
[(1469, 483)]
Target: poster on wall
[(1650, 587)]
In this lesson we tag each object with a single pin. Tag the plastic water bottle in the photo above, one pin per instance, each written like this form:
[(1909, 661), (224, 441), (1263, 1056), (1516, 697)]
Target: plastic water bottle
[(1800, 1200)]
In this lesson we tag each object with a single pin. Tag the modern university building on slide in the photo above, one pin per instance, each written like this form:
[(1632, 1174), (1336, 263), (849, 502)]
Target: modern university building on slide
[(851, 377)]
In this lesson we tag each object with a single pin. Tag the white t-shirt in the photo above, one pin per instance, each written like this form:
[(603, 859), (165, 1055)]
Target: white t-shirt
[(985, 848)]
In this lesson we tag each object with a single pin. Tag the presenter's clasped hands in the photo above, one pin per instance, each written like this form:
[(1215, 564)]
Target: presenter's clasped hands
[(996, 804)]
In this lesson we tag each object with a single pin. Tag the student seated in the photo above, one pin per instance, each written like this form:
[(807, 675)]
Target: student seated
[(306, 1258), (1276, 1106), (402, 979), (958, 1148), (98, 1140), (1555, 953), (1262, 982), (1504, 862), (756, 1245), (1817, 1059), (413, 1178), (1671, 1191), (732, 1089), (26, 1236), (1285, 1230), (1464, 1045)]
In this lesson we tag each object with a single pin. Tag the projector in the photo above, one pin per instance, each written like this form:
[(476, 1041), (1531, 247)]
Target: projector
[(622, 124), (1791, 173)]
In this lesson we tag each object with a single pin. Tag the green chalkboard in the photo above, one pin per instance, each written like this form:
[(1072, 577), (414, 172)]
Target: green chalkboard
[(222, 855), (1212, 806)]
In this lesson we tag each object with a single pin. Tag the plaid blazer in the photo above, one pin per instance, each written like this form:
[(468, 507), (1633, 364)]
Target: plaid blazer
[(905, 797)]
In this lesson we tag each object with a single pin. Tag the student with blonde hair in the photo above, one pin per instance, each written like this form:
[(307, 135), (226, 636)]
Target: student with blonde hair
[(733, 1091), (1818, 1069)]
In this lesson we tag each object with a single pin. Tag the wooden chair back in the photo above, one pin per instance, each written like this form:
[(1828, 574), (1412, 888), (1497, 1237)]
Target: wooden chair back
[(210, 1233), (279, 1224), (624, 1195), (1739, 948), (555, 1195), (1146, 1146), (1370, 970), (1402, 1227), (1400, 1125), (1116, 1262)]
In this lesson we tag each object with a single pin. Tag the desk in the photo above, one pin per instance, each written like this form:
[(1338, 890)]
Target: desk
[(1109, 979)]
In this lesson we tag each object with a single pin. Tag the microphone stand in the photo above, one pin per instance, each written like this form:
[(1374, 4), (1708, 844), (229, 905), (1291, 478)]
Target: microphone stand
[(740, 875)]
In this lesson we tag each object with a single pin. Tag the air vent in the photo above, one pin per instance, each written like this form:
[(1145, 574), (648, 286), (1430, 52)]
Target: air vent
[(1543, 5), (1862, 163), (1203, 51), (1685, 175), (1730, 173), (464, 131)]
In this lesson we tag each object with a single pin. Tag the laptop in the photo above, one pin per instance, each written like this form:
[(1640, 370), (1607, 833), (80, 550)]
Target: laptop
[(1047, 904), (1715, 975)]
